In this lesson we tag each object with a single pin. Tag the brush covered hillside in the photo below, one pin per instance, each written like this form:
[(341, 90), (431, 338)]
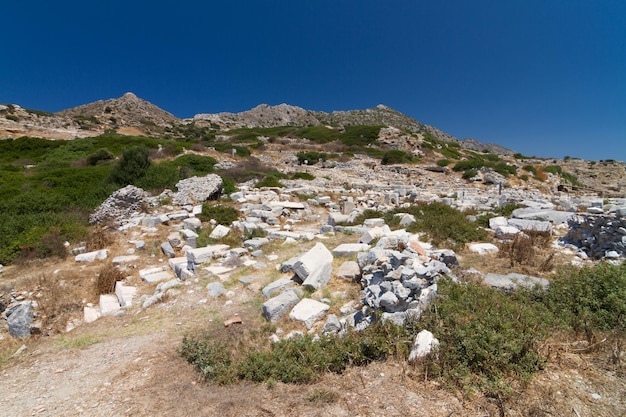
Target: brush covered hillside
[(156, 262)]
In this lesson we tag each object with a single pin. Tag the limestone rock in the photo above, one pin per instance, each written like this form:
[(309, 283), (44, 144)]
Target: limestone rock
[(275, 308), (19, 319), (308, 311), (424, 344), (197, 189)]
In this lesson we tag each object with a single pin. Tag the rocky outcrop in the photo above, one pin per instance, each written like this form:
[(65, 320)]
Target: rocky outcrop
[(120, 205), (598, 236)]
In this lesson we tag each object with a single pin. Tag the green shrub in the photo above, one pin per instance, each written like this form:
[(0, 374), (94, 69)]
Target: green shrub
[(447, 151), (530, 168), (269, 181), (303, 176), (487, 338), (589, 299), (396, 156), (504, 169), (222, 214), (467, 164), (443, 162), (554, 169), (470, 173), (299, 360), (442, 223), (310, 157), (101, 154), (132, 166)]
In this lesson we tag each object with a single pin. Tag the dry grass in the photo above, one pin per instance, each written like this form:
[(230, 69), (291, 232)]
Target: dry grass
[(99, 238), (530, 251), (107, 277)]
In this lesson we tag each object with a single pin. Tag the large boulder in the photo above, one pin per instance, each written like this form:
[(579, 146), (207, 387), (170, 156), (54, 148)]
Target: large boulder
[(19, 318), (197, 189)]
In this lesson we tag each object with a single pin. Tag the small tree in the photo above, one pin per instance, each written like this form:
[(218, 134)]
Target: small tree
[(132, 166)]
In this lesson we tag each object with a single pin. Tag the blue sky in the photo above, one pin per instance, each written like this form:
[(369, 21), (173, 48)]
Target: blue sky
[(542, 77)]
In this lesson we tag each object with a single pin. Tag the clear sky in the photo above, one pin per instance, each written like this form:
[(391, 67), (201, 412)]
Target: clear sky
[(542, 77)]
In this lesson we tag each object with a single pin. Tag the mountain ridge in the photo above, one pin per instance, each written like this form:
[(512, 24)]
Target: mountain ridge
[(129, 113)]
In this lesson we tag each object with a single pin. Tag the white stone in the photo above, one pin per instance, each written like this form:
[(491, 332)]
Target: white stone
[(424, 344), (506, 232), (90, 314), (199, 256), (219, 232), (315, 258), (495, 222), (349, 249), (92, 256), (109, 304), (483, 248), (276, 307), (125, 294), (308, 311), (124, 259)]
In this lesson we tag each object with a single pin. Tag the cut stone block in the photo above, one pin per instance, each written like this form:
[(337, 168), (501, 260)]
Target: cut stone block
[(506, 232), (109, 304), (192, 223), (92, 256), (199, 256), (375, 222), (168, 250), (125, 294), (483, 248), (276, 286), (512, 281), (90, 314), (315, 258), (309, 311), (275, 308), (124, 259), (349, 249), (219, 232), (154, 274), (320, 277)]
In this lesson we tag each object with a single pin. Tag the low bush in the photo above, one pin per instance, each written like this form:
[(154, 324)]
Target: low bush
[(443, 224), (589, 299), (487, 338), (443, 162), (222, 214), (303, 176), (396, 156), (299, 360), (270, 181)]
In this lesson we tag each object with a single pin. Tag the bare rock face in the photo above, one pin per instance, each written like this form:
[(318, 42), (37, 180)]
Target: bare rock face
[(120, 205)]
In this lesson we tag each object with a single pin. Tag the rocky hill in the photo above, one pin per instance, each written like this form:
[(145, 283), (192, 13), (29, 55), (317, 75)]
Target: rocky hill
[(130, 114), (126, 111)]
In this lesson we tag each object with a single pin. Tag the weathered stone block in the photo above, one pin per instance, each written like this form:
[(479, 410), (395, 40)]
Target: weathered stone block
[(275, 308)]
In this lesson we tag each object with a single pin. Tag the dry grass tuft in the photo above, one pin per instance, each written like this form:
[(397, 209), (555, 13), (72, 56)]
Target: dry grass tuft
[(60, 300), (99, 238), (107, 277), (530, 250)]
